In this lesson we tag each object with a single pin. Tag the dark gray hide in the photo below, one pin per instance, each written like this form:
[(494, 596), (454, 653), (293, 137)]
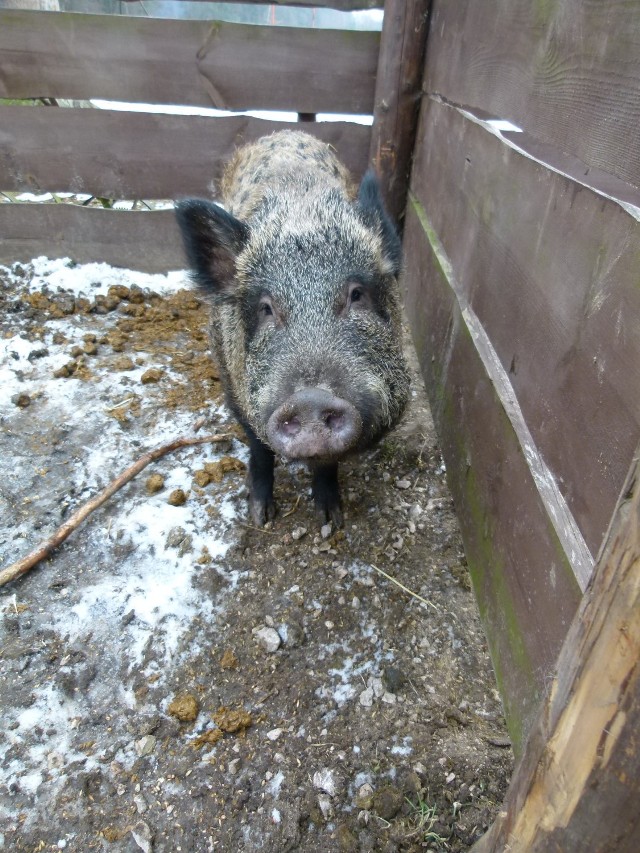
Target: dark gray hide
[(305, 319)]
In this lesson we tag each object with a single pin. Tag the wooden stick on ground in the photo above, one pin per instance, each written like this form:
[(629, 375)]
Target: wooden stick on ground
[(22, 566)]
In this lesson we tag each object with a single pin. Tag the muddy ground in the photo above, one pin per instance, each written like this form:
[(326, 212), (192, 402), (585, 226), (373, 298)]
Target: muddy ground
[(174, 680)]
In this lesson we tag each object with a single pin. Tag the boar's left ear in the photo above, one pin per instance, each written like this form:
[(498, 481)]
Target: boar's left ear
[(212, 240), (372, 207)]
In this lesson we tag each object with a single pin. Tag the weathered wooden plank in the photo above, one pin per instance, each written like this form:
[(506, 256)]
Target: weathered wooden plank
[(397, 98), (551, 269), (138, 155), (568, 71), (340, 5), (144, 240), (576, 787), (523, 580), (229, 66)]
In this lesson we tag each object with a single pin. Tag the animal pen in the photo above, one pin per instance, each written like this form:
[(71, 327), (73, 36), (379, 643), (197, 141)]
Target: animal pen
[(506, 138)]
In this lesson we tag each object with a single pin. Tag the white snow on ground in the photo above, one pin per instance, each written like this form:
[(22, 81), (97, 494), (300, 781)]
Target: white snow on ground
[(97, 278), (154, 582)]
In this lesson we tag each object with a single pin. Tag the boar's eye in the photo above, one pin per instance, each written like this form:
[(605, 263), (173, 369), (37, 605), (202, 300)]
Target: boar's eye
[(266, 308), (268, 314), (358, 297)]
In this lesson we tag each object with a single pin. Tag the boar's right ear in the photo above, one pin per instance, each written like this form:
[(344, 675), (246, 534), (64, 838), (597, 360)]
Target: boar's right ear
[(212, 240), (372, 208)]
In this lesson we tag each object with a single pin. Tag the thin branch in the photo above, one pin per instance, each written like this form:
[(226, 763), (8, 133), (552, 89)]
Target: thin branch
[(405, 588), (21, 567)]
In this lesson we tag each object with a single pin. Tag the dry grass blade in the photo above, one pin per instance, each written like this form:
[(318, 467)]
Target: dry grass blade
[(404, 588)]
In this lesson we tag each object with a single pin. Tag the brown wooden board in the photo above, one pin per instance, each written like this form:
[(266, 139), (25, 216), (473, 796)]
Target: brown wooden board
[(203, 63), (340, 5), (568, 71), (142, 240), (524, 583), (551, 269), (397, 99), (576, 788), (138, 155)]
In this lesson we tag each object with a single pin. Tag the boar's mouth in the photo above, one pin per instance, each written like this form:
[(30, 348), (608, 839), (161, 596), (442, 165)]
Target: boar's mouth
[(313, 423)]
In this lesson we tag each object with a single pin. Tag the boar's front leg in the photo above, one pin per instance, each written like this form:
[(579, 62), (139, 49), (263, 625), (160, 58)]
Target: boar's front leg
[(260, 480), (326, 493)]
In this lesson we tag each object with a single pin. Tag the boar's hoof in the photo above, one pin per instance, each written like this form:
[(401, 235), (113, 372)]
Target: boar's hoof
[(314, 424), (261, 510), (326, 494)]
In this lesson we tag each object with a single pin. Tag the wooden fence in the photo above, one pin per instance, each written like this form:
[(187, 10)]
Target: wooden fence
[(522, 246), (126, 155), (523, 253)]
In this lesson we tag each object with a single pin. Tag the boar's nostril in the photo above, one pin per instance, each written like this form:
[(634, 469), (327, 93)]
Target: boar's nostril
[(334, 420), (291, 426)]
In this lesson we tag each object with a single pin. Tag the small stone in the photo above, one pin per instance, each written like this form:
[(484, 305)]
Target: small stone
[(145, 746), (274, 734), (268, 638), (326, 780), (366, 697), (325, 531), (415, 511), (142, 836), (177, 498), (364, 797), (90, 348), (298, 532), (326, 806), (140, 803), (377, 686), (184, 708), (154, 484), (403, 484), (178, 538), (154, 374)]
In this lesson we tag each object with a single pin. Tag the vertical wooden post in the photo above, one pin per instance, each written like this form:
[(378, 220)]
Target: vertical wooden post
[(578, 785), (397, 97)]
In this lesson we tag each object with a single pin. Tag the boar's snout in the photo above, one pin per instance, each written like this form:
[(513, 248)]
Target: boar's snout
[(314, 424)]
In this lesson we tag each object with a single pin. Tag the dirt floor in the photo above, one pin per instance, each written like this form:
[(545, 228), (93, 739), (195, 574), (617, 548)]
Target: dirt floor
[(175, 680)]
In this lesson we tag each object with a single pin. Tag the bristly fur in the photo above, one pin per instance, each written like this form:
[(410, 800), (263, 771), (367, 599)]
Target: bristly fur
[(293, 235)]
